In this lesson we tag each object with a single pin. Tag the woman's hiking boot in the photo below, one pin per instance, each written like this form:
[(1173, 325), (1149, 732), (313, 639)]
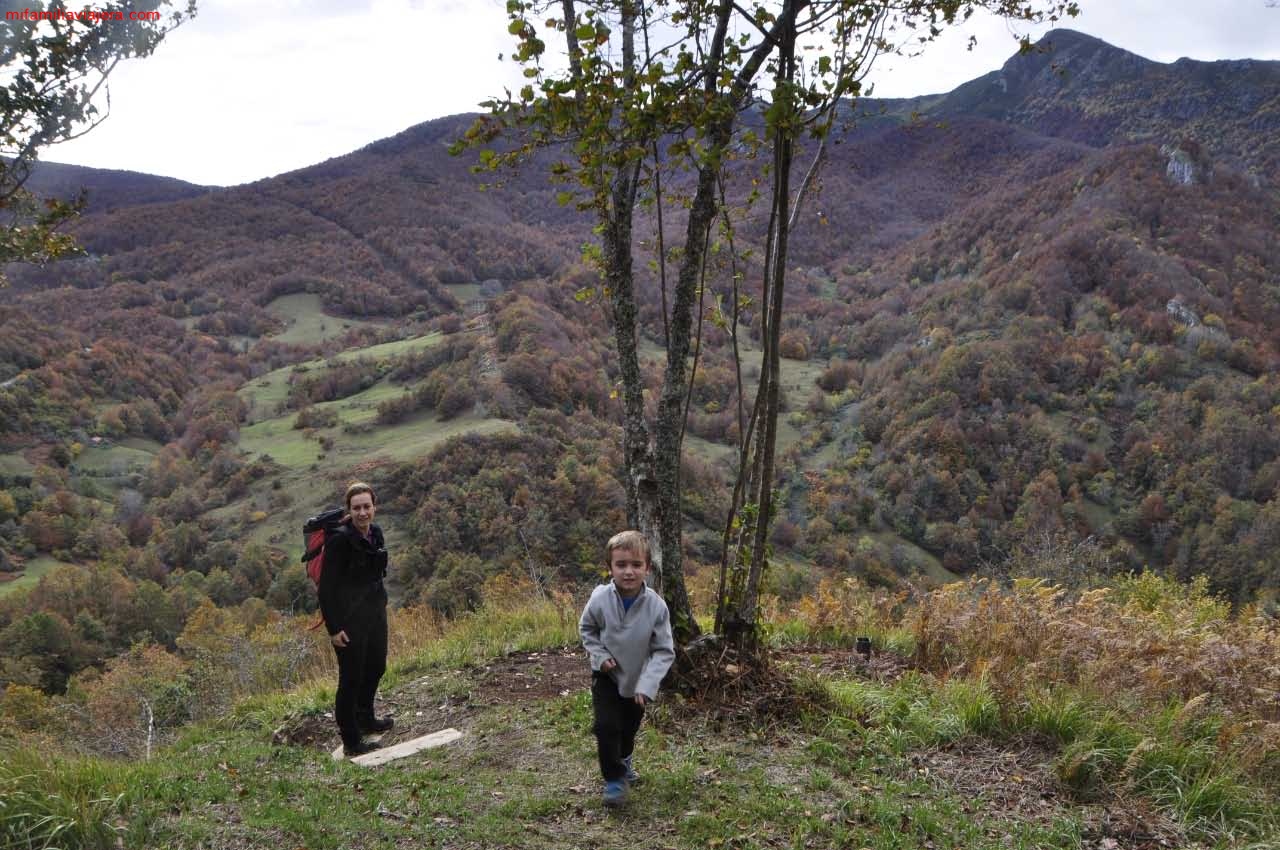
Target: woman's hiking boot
[(632, 777), (359, 748), (372, 725)]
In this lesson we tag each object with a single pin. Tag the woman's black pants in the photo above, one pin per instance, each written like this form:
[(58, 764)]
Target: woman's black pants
[(617, 722), (361, 664)]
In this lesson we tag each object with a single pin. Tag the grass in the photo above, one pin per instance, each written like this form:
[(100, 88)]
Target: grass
[(917, 712), (52, 802), (14, 465), (491, 632), (798, 379), (306, 320), (464, 292), (525, 777), (31, 573), (406, 440), (115, 460), (305, 464), (827, 455), (266, 393), (712, 453), (270, 430), (920, 559), (883, 763)]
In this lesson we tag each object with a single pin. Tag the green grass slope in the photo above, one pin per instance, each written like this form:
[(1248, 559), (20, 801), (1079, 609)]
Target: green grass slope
[(304, 461), (831, 751), (306, 322), (30, 575)]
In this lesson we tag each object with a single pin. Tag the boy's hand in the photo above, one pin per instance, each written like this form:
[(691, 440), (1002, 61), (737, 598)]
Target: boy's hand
[(607, 665), (641, 699)]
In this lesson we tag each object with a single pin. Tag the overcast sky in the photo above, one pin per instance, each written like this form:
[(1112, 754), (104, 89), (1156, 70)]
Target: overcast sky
[(254, 88)]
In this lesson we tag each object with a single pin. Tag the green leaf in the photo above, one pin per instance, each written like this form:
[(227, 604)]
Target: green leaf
[(563, 198)]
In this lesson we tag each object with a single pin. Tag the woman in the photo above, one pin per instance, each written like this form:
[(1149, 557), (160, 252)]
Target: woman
[(353, 602)]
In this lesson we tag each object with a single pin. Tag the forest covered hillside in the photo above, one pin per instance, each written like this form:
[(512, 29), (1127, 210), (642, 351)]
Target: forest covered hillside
[(1031, 331)]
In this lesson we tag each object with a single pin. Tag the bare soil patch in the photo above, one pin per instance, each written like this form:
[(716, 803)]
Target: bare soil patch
[(1016, 781), (524, 676), (307, 731), (420, 708)]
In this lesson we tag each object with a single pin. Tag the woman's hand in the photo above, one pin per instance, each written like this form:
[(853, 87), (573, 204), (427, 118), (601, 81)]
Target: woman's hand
[(340, 640), (607, 665)]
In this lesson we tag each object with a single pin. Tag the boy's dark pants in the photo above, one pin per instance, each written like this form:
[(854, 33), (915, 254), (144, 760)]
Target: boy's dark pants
[(361, 664), (617, 721)]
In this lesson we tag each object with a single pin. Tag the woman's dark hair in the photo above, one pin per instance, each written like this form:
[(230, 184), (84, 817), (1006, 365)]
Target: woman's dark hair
[(356, 488)]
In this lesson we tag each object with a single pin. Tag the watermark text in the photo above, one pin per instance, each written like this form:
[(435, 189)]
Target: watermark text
[(90, 15)]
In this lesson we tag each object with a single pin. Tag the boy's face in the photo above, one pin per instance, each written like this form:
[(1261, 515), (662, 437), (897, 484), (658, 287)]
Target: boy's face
[(628, 568)]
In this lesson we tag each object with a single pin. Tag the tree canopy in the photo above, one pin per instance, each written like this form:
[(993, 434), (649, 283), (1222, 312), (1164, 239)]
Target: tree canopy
[(55, 62), (648, 87)]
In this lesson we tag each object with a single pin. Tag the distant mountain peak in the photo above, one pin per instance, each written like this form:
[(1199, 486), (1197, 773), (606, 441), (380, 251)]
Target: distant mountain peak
[(1063, 39), (1074, 86), (1065, 55)]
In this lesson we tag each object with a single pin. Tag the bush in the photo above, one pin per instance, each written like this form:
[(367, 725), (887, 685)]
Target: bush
[(1168, 642), (837, 377), (311, 417), (395, 410), (457, 399)]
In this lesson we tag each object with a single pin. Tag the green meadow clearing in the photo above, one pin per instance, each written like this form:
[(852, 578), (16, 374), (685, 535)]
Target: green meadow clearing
[(131, 455), (306, 321), (406, 440), (306, 461), (267, 393), (31, 573), (14, 465)]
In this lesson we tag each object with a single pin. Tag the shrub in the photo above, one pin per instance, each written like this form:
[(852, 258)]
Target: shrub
[(312, 417), (1169, 643), (457, 399)]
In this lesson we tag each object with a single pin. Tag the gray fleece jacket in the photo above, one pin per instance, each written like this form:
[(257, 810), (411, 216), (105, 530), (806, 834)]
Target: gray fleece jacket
[(638, 639)]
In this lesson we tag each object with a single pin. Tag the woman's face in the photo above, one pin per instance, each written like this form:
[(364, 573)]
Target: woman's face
[(362, 510)]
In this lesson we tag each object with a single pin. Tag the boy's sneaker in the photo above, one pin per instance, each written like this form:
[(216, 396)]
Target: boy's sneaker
[(632, 777), (615, 792)]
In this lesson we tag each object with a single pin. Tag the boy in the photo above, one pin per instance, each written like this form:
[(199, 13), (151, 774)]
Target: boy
[(626, 630)]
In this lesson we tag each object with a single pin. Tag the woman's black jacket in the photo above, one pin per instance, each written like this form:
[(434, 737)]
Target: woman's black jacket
[(351, 589)]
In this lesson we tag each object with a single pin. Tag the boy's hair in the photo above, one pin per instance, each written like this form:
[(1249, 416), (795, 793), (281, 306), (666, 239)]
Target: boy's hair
[(629, 539), (355, 489)]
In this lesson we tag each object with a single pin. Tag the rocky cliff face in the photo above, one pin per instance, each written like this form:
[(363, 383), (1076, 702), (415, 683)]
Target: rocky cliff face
[(1077, 87)]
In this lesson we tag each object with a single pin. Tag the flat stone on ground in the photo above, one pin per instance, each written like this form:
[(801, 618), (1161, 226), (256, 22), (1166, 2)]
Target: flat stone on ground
[(402, 749)]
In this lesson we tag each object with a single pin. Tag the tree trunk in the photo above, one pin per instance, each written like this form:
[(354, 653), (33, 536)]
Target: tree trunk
[(668, 429)]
